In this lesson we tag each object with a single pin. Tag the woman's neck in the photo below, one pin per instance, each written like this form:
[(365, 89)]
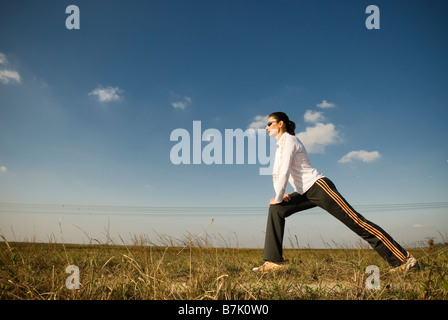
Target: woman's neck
[(279, 135)]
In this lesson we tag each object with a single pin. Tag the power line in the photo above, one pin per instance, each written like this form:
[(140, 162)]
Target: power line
[(143, 210)]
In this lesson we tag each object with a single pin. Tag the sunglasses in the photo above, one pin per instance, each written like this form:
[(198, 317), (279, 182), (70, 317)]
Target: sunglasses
[(269, 123)]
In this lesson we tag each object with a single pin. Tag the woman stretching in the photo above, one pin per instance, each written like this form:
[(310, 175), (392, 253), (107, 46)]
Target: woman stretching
[(313, 189)]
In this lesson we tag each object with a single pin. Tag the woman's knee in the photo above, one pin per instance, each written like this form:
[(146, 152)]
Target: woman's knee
[(276, 211)]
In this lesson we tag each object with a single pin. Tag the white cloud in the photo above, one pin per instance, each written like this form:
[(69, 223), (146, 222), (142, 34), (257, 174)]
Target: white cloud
[(3, 59), (3, 169), (322, 134), (180, 103), (325, 104), (313, 116), (259, 122), (360, 155), (7, 75), (318, 137), (106, 94)]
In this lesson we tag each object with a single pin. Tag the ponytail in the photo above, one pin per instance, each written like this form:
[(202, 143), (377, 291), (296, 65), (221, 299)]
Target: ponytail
[(291, 127)]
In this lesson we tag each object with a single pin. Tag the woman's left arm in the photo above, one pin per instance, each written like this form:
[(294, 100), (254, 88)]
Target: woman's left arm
[(286, 159)]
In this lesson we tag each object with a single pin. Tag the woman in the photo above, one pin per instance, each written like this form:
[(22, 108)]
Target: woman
[(313, 189)]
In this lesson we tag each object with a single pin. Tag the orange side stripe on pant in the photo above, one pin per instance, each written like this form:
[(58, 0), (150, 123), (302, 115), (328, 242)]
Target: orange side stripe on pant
[(361, 223), (348, 211)]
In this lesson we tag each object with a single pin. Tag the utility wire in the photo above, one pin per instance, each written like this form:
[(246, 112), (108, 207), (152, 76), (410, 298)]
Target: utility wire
[(6, 208)]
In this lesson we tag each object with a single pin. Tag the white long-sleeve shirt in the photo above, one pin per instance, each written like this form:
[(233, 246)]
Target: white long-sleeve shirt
[(292, 164)]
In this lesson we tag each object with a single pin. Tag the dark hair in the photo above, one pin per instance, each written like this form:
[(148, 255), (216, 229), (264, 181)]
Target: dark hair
[(281, 116)]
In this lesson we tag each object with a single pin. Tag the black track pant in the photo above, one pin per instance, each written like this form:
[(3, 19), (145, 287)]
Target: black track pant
[(324, 194)]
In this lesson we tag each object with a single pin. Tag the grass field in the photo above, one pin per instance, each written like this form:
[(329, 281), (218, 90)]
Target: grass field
[(198, 271)]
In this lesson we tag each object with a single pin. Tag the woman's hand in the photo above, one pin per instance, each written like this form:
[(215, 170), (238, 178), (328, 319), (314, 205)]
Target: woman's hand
[(286, 198)]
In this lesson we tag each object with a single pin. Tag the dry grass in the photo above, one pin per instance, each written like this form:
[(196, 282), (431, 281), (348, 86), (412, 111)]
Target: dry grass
[(197, 270)]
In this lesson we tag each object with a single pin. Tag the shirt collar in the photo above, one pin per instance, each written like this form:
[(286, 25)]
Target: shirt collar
[(282, 138)]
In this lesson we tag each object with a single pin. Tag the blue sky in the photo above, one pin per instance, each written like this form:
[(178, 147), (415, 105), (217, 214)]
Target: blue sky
[(86, 114)]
